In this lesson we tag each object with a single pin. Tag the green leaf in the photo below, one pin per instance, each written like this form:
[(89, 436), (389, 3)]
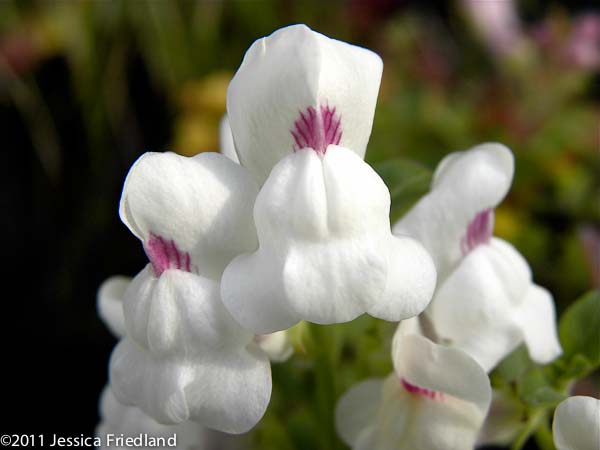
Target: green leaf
[(535, 389), (544, 396), (407, 181), (512, 368), (578, 330)]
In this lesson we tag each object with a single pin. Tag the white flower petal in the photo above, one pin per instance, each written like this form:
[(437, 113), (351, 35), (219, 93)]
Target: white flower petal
[(510, 267), (155, 385), (410, 282), (442, 369), (406, 327), (323, 228), (192, 213), (129, 421), (227, 390), (231, 394), (577, 424), (538, 323), (277, 346), (247, 290), (465, 184), (476, 308), (295, 70), (110, 303), (226, 140), (357, 408), (179, 313)]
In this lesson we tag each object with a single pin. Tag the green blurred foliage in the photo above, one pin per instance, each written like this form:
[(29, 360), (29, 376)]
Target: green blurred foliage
[(578, 330), (537, 390)]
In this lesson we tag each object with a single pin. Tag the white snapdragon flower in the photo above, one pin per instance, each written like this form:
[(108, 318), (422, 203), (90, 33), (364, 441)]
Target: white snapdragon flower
[(486, 302), (183, 356), (301, 109), (117, 419), (436, 399), (577, 424)]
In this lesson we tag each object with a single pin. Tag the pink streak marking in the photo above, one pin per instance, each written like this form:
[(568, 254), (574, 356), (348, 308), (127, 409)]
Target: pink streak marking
[(479, 231), (175, 252), (165, 255), (317, 130), (186, 256), (434, 395)]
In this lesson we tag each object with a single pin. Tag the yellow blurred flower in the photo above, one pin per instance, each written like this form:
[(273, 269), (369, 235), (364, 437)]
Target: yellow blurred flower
[(202, 104), (506, 223), (207, 94), (195, 133)]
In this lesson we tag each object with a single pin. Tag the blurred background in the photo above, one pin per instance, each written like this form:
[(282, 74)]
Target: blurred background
[(88, 86)]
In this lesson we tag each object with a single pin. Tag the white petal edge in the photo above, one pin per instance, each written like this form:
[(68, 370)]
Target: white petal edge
[(358, 408), (411, 281), (226, 144), (576, 424), (110, 303), (537, 318)]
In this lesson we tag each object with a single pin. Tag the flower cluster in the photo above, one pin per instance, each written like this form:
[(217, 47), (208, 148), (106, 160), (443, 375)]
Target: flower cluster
[(290, 224), (298, 230)]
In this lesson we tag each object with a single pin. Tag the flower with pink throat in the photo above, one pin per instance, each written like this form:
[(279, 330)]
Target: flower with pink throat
[(301, 108), (183, 357), (486, 302), (436, 399)]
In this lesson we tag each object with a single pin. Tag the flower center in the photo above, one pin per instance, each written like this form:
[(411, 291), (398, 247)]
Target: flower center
[(479, 231), (317, 129), (164, 254), (434, 395)]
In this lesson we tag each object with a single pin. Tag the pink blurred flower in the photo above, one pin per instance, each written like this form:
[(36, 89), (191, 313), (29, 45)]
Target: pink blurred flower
[(583, 43), (497, 22)]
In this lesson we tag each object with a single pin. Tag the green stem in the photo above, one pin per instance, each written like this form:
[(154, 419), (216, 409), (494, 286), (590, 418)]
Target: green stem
[(543, 435), (531, 426), (324, 351)]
